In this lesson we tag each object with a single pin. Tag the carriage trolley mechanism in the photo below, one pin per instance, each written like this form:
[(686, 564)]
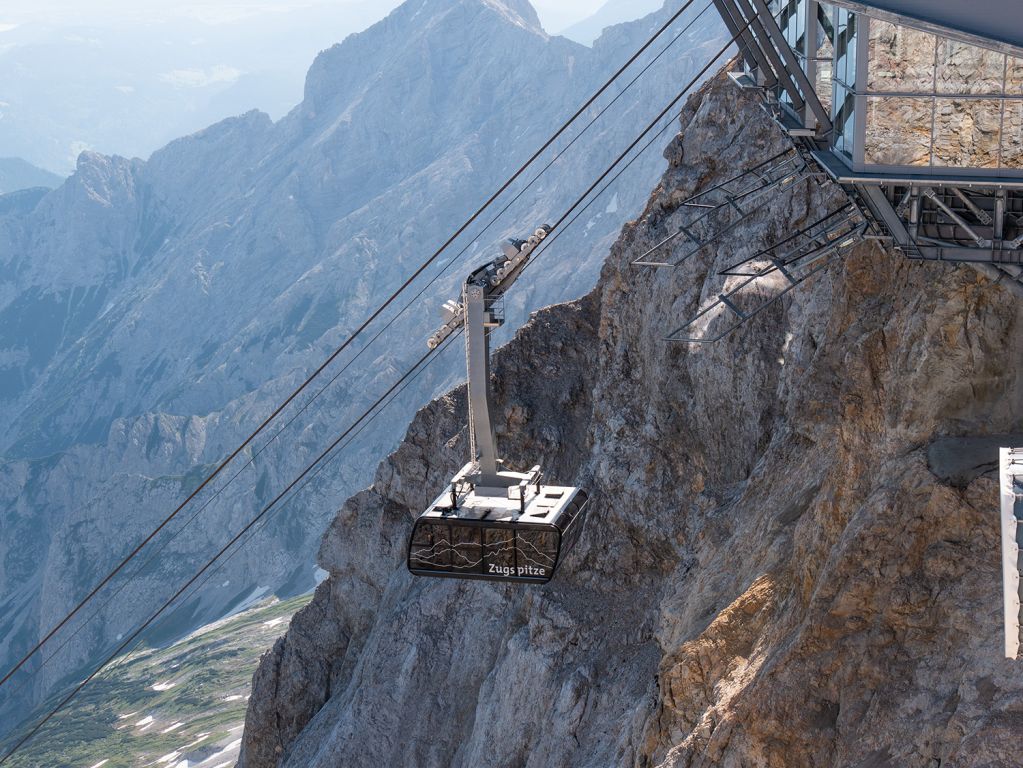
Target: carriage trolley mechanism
[(490, 524)]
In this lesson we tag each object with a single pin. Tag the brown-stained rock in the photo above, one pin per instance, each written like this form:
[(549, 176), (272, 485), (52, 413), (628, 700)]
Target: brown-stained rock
[(771, 575)]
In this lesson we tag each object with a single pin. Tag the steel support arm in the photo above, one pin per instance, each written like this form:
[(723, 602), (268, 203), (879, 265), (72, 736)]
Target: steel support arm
[(747, 43), (477, 344), (809, 93)]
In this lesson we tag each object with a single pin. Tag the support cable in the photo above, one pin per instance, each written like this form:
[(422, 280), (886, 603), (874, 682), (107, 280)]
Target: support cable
[(351, 338), (155, 555), (366, 414), (209, 564)]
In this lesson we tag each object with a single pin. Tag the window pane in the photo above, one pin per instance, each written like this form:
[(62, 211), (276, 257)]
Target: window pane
[(826, 17), (466, 553), (823, 85), (1012, 136), (845, 48), (786, 23), (843, 117), (898, 131), (966, 68), (431, 547), (966, 133), (825, 56), (499, 551), (538, 552), (900, 59), (1014, 77)]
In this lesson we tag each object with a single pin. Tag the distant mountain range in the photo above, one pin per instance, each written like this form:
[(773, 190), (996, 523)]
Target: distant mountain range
[(153, 313), (71, 83), (16, 174), (611, 13)]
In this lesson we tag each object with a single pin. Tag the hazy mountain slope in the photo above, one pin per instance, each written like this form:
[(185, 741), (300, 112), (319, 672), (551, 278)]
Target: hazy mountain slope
[(16, 174), (152, 313), (611, 13), (775, 571)]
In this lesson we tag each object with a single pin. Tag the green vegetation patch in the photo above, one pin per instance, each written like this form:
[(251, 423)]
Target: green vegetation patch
[(164, 706)]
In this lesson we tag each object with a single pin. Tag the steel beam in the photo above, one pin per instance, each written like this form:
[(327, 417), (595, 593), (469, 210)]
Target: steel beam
[(768, 49), (480, 407), (983, 216), (735, 31), (956, 218), (823, 118), (730, 12)]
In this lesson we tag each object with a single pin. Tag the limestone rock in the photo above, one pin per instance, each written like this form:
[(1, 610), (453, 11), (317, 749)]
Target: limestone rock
[(770, 574)]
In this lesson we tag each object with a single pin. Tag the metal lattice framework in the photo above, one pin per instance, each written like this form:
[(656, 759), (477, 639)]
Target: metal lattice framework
[(960, 215), (721, 208), (767, 276)]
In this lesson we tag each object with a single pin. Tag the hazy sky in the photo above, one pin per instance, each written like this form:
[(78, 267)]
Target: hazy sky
[(555, 14), (127, 76)]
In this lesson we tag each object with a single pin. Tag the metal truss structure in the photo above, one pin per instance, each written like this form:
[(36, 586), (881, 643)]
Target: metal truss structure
[(720, 209), (930, 213), (770, 274)]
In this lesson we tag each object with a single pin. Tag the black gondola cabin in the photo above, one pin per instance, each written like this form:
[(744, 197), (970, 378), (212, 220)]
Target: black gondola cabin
[(521, 536)]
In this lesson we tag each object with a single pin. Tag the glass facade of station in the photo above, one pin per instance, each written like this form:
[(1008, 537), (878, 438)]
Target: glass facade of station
[(905, 98), (932, 101), (806, 28)]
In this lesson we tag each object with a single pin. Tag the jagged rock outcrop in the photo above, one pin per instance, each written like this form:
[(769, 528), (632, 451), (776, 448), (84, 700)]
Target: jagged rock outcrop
[(152, 313), (770, 575)]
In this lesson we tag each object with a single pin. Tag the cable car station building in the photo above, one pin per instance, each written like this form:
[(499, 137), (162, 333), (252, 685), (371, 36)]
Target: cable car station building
[(914, 106)]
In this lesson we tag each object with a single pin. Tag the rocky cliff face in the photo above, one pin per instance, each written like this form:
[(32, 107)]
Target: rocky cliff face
[(153, 313), (782, 565)]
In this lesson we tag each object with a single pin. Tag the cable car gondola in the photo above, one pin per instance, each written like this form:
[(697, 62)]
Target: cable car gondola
[(491, 524)]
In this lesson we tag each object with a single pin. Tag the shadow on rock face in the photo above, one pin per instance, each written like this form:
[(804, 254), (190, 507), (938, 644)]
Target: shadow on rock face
[(959, 461)]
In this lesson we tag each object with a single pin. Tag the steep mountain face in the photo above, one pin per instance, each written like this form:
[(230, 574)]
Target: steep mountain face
[(791, 556), (153, 313)]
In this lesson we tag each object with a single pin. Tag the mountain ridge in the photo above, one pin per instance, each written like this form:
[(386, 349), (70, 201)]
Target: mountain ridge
[(770, 572), (175, 301)]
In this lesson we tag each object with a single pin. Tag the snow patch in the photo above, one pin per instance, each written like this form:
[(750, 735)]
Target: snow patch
[(198, 739), (163, 686), (101, 763), (233, 698), (145, 721), (171, 728), (250, 601), (274, 622), (169, 758), (225, 752)]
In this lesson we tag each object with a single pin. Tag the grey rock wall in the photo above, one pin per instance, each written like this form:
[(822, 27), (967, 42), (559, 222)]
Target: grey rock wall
[(153, 313), (770, 574)]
